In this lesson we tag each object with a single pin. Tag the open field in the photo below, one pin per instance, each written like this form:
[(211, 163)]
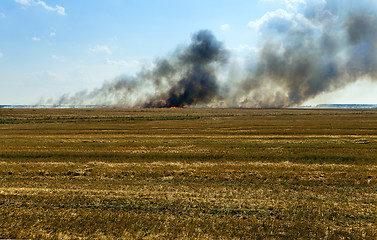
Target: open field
[(188, 173)]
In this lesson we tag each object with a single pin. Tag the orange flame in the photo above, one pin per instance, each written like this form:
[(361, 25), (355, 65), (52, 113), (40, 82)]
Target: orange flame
[(168, 108)]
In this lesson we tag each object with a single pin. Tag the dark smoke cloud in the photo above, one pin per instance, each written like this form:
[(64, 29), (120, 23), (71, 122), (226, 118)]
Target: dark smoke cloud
[(313, 48), (198, 82)]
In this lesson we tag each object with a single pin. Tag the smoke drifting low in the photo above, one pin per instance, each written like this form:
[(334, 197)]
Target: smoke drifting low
[(316, 47), (187, 78)]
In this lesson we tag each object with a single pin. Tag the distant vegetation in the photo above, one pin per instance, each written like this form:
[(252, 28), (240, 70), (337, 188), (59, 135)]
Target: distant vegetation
[(188, 174)]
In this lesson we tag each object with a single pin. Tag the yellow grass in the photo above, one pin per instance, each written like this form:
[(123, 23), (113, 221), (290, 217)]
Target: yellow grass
[(188, 174)]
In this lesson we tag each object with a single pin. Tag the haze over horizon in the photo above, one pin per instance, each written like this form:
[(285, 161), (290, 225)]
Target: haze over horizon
[(266, 53)]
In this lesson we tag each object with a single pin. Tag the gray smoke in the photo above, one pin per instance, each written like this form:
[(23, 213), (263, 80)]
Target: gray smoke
[(323, 47), (187, 78), (319, 46)]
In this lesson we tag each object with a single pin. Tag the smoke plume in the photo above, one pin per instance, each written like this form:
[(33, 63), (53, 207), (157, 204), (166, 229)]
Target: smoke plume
[(187, 78), (309, 48)]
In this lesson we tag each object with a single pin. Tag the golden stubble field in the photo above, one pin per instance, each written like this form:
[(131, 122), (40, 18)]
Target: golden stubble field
[(188, 174)]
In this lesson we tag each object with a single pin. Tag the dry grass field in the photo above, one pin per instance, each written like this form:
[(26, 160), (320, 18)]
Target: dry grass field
[(188, 174)]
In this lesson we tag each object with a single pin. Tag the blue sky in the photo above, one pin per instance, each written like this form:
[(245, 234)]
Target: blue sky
[(51, 47)]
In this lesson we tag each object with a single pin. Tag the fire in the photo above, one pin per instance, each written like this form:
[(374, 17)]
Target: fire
[(168, 108)]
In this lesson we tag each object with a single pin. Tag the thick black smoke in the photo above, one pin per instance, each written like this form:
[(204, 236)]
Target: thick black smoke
[(197, 83), (307, 49)]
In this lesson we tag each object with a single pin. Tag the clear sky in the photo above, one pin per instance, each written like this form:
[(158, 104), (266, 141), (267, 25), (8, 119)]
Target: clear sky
[(51, 47)]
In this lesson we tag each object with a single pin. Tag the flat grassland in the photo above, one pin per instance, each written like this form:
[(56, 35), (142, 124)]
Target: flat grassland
[(188, 174)]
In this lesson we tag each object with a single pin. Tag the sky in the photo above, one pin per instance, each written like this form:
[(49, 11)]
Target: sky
[(53, 47)]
